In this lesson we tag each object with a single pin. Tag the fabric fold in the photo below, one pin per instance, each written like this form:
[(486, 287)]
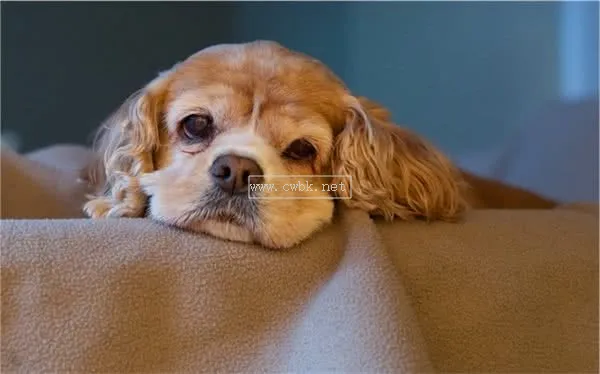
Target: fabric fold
[(131, 295)]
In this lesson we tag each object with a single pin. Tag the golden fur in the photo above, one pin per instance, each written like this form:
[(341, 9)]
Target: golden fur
[(262, 97)]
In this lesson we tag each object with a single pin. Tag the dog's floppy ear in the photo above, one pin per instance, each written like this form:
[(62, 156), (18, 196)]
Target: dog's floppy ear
[(395, 173), (125, 146)]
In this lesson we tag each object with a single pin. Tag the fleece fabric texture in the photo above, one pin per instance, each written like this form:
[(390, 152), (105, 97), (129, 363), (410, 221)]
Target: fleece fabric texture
[(503, 291)]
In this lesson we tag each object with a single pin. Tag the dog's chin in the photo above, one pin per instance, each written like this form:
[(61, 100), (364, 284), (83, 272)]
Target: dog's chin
[(223, 228), (234, 227), (239, 219)]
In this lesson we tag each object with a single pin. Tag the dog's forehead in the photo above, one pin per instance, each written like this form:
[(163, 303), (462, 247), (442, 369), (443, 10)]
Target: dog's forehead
[(265, 71), (263, 59)]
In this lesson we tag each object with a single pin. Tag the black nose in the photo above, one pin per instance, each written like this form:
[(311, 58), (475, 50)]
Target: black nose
[(231, 172)]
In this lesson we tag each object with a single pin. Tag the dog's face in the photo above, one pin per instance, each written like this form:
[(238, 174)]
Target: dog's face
[(221, 142)]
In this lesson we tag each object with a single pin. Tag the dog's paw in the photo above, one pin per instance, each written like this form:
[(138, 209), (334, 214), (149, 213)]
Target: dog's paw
[(97, 207), (104, 207)]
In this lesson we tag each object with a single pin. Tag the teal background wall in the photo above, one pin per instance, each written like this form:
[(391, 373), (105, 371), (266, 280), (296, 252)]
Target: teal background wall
[(460, 73), (66, 66)]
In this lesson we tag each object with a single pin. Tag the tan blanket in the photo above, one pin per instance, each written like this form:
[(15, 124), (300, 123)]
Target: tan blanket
[(512, 291)]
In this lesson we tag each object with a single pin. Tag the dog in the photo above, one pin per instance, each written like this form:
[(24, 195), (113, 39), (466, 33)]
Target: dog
[(183, 150)]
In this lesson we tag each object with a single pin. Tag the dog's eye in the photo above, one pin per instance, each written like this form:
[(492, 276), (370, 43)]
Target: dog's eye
[(300, 149), (197, 126)]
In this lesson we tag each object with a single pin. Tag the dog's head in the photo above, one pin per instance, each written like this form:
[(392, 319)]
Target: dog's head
[(222, 142)]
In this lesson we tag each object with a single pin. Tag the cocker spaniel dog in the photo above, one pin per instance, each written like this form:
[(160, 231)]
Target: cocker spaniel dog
[(211, 145)]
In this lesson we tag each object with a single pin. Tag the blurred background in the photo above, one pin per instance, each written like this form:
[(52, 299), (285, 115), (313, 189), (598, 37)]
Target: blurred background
[(507, 89)]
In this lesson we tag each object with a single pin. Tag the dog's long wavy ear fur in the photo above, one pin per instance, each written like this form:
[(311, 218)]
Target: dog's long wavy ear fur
[(395, 173), (125, 146)]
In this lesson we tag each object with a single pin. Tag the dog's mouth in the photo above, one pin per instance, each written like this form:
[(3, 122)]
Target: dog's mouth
[(227, 217), (218, 206), (222, 215)]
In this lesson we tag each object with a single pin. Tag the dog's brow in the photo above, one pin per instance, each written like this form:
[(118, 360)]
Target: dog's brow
[(214, 90), (188, 100)]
